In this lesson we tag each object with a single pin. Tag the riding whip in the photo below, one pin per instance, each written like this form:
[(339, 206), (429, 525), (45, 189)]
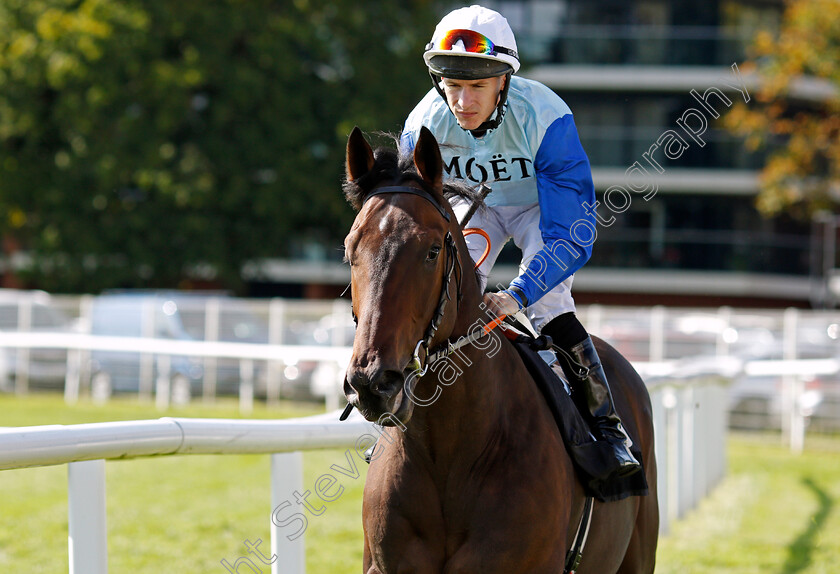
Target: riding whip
[(483, 191)]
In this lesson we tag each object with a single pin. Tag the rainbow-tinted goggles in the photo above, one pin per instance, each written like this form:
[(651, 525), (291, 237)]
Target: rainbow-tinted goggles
[(473, 43)]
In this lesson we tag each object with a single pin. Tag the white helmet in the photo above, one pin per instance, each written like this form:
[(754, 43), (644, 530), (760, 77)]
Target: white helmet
[(472, 43)]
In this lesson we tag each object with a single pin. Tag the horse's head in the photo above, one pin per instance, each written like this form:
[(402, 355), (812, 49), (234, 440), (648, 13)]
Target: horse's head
[(403, 271)]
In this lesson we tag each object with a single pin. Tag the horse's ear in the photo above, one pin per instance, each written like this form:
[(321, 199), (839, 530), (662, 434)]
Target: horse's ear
[(359, 155), (427, 158)]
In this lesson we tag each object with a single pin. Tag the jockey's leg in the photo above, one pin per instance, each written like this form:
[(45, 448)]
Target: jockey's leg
[(592, 387), (554, 315)]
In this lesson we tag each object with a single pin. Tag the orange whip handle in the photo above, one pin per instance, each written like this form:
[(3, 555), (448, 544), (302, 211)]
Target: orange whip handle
[(494, 323)]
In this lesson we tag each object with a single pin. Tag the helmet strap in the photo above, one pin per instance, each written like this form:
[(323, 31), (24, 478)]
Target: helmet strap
[(496, 119)]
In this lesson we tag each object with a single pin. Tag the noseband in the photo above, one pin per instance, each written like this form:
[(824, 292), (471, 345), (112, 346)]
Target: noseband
[(417, 365)]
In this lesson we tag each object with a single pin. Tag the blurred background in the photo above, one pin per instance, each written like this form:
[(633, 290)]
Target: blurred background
[(146, 144), (171, 223), (174, 170)]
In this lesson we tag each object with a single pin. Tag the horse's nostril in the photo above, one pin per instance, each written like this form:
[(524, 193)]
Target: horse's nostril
[(387, 383), (382, 383), (357, 381)]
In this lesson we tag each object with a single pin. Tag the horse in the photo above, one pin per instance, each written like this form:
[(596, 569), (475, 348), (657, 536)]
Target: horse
[(469, 474)]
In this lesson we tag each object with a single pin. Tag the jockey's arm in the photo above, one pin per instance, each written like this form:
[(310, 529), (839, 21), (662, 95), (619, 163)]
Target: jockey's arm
[(565, 189)]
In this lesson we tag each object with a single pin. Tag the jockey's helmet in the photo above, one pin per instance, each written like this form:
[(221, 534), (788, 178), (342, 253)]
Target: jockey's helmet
[(473, 43)]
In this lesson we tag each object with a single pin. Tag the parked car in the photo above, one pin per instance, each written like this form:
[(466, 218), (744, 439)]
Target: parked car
[(758, 401), (32, 311), (170, 315)]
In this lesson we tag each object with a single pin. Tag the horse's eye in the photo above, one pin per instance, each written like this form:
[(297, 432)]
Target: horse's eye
[(433, 253)]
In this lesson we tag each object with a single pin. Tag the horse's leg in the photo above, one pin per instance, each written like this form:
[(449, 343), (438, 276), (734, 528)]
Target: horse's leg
[(402, 524), (415, 561), (641, 552), (367, 562)]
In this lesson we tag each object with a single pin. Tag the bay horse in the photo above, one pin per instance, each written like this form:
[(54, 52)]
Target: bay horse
[(470, 475)]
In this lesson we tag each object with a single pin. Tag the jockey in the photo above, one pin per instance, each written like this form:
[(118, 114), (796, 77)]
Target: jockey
[(519, 137)]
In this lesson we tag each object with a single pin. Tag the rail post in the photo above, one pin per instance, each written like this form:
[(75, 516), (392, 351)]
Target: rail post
[(287, 544), (87, 537)]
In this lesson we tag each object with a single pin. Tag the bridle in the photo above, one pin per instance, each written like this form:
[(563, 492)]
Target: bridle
[(419, 366)]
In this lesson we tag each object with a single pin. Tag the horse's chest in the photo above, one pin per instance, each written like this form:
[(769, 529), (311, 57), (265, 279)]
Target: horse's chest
[(466, 527)]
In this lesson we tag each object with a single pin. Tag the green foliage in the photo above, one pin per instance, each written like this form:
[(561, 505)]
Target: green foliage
[(142, 142)]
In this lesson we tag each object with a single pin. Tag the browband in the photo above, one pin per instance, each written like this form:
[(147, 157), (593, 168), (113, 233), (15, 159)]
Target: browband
[(413, 191)]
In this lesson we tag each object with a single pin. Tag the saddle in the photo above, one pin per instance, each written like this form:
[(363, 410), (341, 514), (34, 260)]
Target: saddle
[(591, 458)]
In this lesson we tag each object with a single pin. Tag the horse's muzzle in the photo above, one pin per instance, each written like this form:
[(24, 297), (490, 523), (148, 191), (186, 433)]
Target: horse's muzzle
[(373, 392)]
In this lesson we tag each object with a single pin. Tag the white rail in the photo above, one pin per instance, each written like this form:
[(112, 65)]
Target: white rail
[(689, 419), (86, 447), (246, 353), (47, 340), (58, 444), (689, 400), (690, 423)]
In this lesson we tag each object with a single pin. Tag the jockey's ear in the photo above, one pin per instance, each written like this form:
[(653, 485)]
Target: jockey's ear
[(427, 158), (359, 159)]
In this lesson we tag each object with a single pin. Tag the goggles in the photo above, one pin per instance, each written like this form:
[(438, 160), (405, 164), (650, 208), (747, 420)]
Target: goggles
[(472, 41)]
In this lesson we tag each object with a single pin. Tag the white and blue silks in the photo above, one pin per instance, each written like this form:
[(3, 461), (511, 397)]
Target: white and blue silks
[(543, 197)]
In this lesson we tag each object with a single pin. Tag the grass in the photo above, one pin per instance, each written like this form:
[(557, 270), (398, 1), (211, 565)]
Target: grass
[(774, 513), (178, 514)]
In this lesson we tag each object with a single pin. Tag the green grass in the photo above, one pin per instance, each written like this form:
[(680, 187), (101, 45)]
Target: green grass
[(50, 409), (179, 514), (774, 513)]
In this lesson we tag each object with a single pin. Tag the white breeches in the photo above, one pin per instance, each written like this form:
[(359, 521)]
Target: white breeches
[(522, 224)]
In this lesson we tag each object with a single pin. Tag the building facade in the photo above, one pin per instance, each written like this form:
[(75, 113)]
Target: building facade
[(647, 81)]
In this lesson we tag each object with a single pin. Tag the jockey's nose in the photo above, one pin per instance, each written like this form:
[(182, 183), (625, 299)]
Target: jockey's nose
[(466, 98)]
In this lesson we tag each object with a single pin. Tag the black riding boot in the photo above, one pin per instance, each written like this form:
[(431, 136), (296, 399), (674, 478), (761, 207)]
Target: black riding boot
[(593, 388), (590, 387)]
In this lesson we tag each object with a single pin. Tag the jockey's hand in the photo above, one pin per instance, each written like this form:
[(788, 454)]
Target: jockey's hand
[(501, 303)]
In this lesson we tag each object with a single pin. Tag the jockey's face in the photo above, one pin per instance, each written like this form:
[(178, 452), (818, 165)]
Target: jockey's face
[(473, 101)]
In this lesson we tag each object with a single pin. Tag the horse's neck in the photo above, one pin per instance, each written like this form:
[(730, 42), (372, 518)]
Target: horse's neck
[(472, 385)]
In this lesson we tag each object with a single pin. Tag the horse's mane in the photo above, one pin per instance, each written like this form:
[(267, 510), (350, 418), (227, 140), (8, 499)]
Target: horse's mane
[(396, 168)]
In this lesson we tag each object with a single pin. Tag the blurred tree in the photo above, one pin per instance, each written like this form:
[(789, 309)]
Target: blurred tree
[(144, 142), (804, 175)]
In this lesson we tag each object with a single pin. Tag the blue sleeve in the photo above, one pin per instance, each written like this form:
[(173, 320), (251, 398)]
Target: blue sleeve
[(564, 184)]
